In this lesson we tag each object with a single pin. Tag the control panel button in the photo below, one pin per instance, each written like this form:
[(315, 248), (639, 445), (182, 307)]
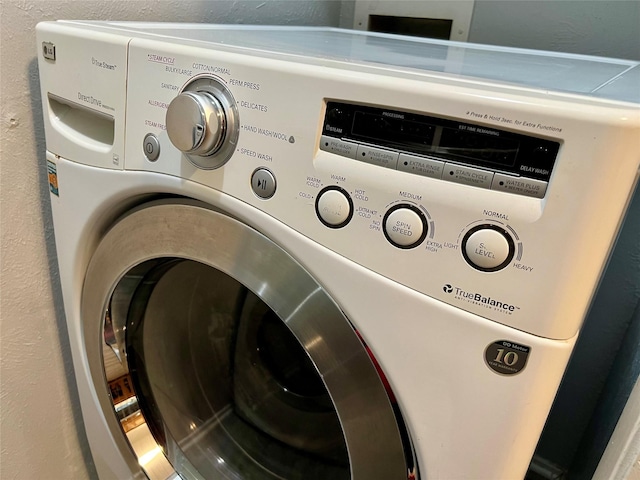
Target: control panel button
[(339, 147), (334, 207), (488, 248), (467, 175), (263, 183), (405, 226), (377, 156), (151, 147), (420, 166), (519, 185)]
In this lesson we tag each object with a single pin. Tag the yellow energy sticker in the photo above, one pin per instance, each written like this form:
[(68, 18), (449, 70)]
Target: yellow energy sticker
[(52, 173)]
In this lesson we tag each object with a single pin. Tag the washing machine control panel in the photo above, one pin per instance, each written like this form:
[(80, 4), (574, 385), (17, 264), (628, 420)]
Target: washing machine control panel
[(463, 192)]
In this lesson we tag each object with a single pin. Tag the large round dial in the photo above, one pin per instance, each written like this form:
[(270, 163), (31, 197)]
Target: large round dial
[(202, 122), (196, 123)]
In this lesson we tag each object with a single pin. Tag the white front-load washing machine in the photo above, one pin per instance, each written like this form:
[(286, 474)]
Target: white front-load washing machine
[(312, 253)]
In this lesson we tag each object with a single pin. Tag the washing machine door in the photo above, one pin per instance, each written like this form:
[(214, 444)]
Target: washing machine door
[(224, 358)]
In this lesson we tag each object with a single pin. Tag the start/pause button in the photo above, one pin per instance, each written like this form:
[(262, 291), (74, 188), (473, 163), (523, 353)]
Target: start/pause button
[(263, 183)]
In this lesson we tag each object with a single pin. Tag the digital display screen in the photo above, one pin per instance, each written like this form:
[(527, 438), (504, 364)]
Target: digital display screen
[(444, 139), (392, 129), (484, 145), (464, 142)]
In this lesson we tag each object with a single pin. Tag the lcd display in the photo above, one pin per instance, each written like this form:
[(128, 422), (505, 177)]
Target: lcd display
[(392, 129), (443, 139), (484, 146)]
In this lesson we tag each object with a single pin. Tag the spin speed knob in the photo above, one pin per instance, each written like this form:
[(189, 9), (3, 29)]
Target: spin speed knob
[(196, 123)]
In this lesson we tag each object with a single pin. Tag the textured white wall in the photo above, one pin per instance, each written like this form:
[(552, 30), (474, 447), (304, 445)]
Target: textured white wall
[(41, 428), (606, 28)]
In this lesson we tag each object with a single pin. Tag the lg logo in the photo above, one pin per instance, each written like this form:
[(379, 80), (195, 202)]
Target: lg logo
[(447, 288)]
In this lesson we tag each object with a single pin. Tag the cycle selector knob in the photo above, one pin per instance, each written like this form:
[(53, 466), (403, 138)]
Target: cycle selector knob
[(203, 123), (196, 123)]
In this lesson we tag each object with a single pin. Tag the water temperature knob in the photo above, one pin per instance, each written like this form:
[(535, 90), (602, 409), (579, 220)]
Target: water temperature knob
[(202, 122)]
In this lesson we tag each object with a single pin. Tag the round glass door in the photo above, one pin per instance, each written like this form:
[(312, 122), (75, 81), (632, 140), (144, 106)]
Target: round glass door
[(224, 359)]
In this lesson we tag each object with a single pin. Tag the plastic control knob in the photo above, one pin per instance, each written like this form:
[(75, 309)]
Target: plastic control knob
[(488, 248), (196, 123), (405, 226), (334, 207)]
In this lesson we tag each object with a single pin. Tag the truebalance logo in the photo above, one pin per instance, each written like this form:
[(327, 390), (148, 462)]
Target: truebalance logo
[(479, 299)]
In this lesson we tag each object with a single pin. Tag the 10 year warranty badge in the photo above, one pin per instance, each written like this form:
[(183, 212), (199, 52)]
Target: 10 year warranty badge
[(505, 357)]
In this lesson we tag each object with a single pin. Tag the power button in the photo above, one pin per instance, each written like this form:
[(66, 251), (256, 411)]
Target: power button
[(151, 147)]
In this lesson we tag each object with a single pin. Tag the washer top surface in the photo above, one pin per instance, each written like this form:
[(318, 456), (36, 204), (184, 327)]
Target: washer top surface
[(613, 79)]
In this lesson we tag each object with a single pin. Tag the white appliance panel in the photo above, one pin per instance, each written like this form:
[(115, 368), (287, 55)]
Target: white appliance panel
[(290, 101)]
